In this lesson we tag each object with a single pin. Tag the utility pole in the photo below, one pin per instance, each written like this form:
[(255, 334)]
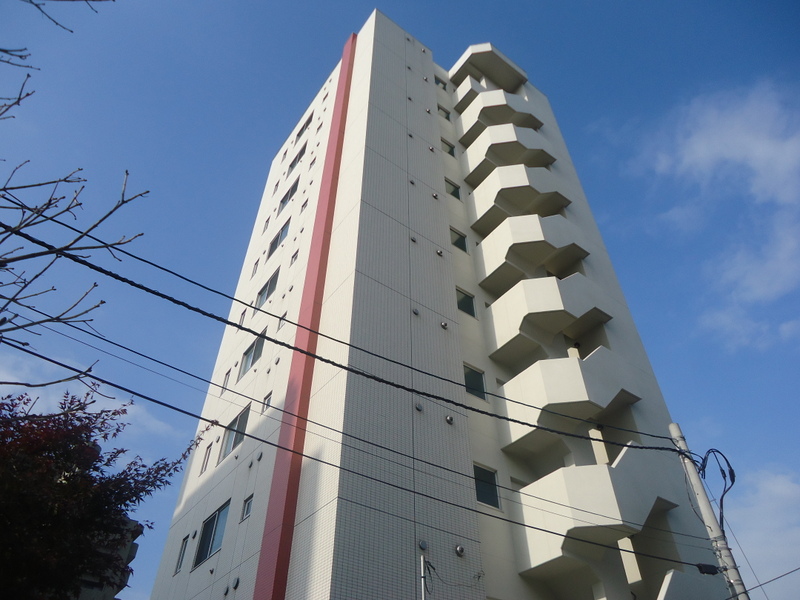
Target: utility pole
[(720, 543)]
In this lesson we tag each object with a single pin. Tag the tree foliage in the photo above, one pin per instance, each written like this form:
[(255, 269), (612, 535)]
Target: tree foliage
[(63, 499)]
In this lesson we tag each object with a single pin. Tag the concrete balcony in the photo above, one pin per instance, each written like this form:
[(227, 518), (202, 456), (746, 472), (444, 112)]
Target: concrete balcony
[(484, 59), (575, 387), (532, 312), (495, 108), (515, 190), (502, 145), (599, 503), (466, 92), (516, 248)]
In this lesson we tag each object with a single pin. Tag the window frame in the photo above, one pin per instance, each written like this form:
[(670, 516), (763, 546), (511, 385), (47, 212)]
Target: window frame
[(448, 147), (251, 355), (484, 485), (470, 389), (441, 83), (247, 507), (297, 158), (279, 237), (181, 555), (460, 236), (455, 192), (267, 289), (443, 112), (287, 197), (234, 433), (210, 544), (460, 296), (206, 459)]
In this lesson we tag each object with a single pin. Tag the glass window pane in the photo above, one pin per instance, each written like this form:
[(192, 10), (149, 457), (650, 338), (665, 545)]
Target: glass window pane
[(459, 240), (486, 486), (466, 302), (473, 380)]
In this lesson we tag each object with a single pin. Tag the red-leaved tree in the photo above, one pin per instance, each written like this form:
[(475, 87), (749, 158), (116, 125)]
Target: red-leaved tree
[(64, 500)]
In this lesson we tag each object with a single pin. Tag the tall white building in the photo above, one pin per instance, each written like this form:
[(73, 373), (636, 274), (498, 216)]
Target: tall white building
[(432, 220)]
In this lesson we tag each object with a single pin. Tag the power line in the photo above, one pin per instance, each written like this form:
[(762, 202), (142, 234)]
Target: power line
[(354, 437), (703, 568), (755, 587), (348, 368), (348, 344)]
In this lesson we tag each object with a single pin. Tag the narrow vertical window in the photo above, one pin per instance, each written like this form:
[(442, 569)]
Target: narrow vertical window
[(226, 379), (247, 507), (255, 268), (486, 486), (242, 316), (296, 159), (206, 458), (251, 355), (267, 402), (269, 288), (181, 554), (266, 224), (303, 129), (294, 257), (282, 320), (473, 381), (287, 197)]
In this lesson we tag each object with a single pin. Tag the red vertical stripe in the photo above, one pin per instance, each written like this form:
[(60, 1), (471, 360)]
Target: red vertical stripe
[(276, 544)]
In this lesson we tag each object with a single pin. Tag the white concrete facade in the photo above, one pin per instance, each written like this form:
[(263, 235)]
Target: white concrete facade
[(460, 240)]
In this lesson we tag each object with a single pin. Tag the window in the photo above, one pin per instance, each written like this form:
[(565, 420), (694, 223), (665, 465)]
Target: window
[(304, 206), (448, 147), (226, 379), (473, 381), (211, 535), (294, 257), (255, 268), (296, 159), (440, 82), (269, 288), (206, 458), (241, 317), (459, 240), (443, 112), (305, 126), (282, 320), (466, 302), (267, 402), (283, 156), (234, 434), (181, 554), (288, 195), (486, 486), (251, 355), (247, 507), (452, 189), (276, 241)]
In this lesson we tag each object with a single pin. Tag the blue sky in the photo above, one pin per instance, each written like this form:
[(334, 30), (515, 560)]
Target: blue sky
[(683, 119)]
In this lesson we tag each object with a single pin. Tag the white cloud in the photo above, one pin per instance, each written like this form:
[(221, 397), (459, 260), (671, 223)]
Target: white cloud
[(735, 155), (764, 517)]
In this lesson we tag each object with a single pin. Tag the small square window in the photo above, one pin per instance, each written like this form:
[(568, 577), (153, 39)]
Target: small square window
[(473, 382), (181, 555), (452, 189), (465, 302), (247, 507), (267, 402), (448, 147), (443, 112), (440, 82), (459, 240), (294, 257), (206, 458), (486, 486)]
